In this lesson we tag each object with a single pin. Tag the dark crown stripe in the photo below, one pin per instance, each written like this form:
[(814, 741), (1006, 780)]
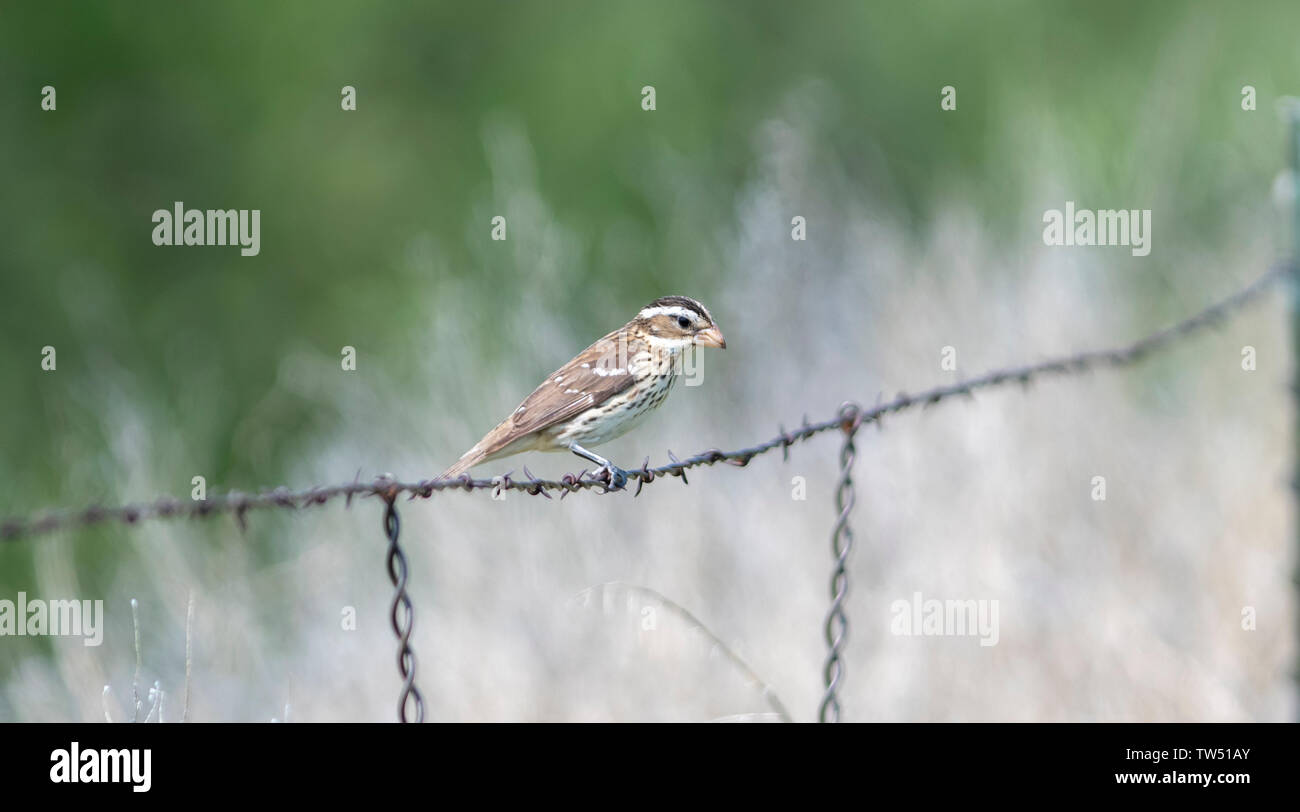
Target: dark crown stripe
[(681, 301)]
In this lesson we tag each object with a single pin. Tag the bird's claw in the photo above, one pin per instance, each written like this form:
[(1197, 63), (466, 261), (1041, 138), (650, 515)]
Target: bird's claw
[(615, 477)]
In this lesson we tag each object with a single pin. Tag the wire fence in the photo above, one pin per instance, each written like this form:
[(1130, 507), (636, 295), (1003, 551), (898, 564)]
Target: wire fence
[(848, 421)]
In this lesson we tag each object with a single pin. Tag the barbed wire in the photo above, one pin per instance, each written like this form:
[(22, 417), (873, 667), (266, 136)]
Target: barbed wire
[(239, 504), (849, 419)]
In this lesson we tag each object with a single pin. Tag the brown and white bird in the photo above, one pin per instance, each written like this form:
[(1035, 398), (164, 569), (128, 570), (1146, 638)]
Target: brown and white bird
[(604, 392)]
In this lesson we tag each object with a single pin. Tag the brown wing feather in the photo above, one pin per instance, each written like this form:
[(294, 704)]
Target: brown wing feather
[(595, 375)]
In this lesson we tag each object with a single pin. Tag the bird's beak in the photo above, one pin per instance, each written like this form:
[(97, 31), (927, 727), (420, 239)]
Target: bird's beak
[(712, 337)]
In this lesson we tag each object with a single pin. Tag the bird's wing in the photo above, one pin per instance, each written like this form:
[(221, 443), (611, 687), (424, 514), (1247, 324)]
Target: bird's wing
[(595, 375)]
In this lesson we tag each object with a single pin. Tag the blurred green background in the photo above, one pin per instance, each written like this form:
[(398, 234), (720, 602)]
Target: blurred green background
[(375, 223)]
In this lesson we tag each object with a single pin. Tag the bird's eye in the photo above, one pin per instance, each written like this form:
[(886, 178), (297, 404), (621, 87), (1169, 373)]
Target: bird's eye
[(683, 322)]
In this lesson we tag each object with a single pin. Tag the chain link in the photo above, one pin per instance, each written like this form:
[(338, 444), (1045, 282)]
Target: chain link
[(403, 617), (837, 621)]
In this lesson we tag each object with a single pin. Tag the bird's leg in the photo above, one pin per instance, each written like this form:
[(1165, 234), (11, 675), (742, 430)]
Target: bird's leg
[(617, 476)]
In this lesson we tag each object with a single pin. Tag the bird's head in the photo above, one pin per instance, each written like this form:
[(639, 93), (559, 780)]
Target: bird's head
[(679, 322)]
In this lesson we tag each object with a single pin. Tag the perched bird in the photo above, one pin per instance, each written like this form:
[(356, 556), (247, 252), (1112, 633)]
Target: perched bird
[(605, 391)]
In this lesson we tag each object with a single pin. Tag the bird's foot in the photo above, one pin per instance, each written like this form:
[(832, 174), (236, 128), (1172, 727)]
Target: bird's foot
[(615, 477)]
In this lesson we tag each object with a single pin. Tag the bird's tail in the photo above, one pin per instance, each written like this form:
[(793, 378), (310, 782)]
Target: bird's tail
[(501, 441), (471, 458)]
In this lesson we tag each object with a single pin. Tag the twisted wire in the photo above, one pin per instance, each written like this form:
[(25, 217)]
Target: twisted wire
[(410, 704), (837, 621)]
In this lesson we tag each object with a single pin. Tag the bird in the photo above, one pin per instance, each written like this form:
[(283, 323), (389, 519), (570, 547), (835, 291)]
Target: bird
[(605, 391)]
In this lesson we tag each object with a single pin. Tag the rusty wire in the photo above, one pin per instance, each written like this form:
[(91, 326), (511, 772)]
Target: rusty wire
[(238, 504), (403, 618)]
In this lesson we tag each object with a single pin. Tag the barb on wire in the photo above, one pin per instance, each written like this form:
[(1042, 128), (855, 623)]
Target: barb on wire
[(410, 704), (837, 621), (239, 504)]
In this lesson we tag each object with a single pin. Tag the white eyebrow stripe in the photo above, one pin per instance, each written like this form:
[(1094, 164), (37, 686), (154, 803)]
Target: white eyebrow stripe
[(667, 310)]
